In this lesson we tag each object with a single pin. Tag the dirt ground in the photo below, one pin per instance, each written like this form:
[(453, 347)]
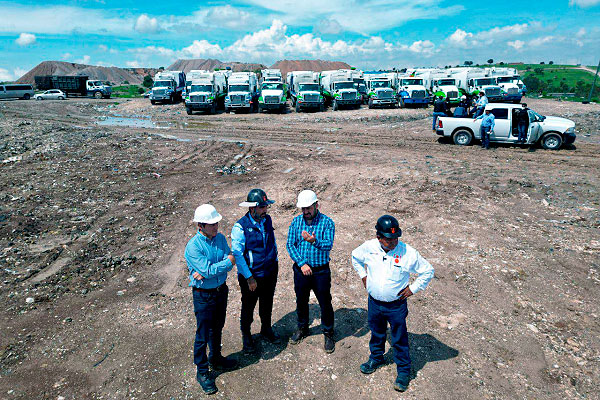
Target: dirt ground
[(94, 219)]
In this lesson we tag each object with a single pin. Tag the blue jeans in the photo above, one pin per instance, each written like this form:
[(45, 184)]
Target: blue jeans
[(320, 283), (435, 117), (523, 127), (263, 294), (485, 136), (210, 308), (379, 315), (479, 111)]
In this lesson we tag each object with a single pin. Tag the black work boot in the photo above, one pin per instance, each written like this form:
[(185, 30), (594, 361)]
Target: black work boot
[(247, 344), (222, 363), (401, 383), (271, 336), (206, 382), (328, 342), (370, 366), (300, 334)]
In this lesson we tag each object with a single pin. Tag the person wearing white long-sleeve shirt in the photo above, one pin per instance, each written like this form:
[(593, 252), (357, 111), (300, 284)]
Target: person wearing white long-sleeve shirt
[(384, 264)]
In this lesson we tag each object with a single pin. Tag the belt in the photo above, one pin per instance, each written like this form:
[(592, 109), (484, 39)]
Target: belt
[(315, 269), (211, 290)]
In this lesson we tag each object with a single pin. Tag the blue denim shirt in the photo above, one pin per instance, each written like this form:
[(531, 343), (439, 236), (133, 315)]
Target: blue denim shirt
[(208, 257), (317, 253), (487, 121)]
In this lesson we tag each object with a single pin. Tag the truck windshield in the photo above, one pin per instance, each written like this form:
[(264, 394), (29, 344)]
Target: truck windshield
[(201, 88), (485, 81), (446, 82), (343, 85), (97, 83), (504, 79), (407, 82), (163, 83), (239, 88), (360, 81), (272, 86), (380, 84), (309, 87)]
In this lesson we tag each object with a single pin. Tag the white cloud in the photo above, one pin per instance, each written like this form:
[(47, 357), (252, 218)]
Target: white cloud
[(25, 39), (581, 32), (425, 47), (329, 26), (103, 47), (543, 40), (66, 56), (516, 44), (227, 17), (460, 38), (202, 49), (463, 39), (584, 3), (145, 24), (133, 64), (8, 76), (84, 60)]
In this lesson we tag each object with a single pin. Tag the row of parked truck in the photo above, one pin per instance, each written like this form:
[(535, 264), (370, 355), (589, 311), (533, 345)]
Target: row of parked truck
[(247, 91)]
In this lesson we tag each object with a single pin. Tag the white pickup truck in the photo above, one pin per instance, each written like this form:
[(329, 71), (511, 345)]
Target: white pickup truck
[(550, 132)]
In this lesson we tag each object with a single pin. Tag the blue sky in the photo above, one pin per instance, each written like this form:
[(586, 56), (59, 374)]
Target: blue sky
[(366, 34)]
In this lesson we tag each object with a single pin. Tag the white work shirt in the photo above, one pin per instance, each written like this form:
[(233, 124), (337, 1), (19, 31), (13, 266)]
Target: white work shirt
[(388, 273)]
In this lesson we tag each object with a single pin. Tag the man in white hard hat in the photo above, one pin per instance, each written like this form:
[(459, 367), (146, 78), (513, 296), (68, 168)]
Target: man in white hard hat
[(310, 239), (255, 250), (209, 259)]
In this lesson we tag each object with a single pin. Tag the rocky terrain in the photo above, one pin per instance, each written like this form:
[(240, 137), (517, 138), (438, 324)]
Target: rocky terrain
[(95, 211)]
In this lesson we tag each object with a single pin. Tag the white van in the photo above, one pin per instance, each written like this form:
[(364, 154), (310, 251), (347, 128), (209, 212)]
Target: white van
[(19, 91)]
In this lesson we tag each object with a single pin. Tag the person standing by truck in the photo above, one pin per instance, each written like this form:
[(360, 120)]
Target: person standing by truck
[(481, 103), (384, 264), (487, 127), (439, 110), (523, 123)]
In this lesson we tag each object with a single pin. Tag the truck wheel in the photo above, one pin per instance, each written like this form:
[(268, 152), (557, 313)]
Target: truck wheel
[(334, 106), (153, 102), (462, 137), (188, 110), (98, 95), (26, 97), (39, 98), (61, 98), (552, 141)]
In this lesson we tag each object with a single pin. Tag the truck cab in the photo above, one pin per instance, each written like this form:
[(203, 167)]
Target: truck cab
[(163, 90), (510, 90), (380, 92), (412, 92), (202, 96), (272, 96), (309, 96), (340, 89), (447, 88), (487, 85), (98, 89), (242, 92)]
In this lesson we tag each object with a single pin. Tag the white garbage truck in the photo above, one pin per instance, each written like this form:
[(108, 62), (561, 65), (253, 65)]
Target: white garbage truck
[(380, 89), (168, 87), (272, 96), (242, 92), (339, 89), (412, 92), (305, 91), (471, 81), (206, 92)]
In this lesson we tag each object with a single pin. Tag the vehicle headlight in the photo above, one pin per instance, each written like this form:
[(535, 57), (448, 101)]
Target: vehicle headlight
[(570, 130)]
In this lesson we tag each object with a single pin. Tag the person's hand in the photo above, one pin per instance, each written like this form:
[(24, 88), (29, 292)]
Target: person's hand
[(308, 237), (197, 276), (306, 270), (252, 284), (405, 293), (231, 258)]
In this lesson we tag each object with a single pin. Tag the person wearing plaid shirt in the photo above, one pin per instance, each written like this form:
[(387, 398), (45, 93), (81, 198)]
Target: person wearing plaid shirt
[(310, 239)]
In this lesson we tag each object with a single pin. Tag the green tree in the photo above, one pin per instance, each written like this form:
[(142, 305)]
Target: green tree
[(490, 61), (533, 83), (148, 82)]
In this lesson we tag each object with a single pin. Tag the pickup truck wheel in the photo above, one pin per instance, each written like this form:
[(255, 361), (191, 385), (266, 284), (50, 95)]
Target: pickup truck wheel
[(462, 137), (39, 98), (153, 102), (552, 141), (98, 95), (61, 98)]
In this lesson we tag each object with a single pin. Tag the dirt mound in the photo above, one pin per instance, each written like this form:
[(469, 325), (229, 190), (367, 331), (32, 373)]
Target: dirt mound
[(211, 64), (308, 65), (114, 75)]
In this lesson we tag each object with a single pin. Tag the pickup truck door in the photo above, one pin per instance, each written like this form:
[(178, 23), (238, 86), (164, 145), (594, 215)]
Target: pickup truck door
[(502, 124), (535, 127)]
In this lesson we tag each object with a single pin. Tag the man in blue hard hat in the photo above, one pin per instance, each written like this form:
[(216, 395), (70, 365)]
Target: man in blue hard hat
[(255, 250), (384, 264)]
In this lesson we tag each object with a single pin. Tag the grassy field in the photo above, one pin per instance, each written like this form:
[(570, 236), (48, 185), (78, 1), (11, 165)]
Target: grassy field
[(556, 73), (127, 91)]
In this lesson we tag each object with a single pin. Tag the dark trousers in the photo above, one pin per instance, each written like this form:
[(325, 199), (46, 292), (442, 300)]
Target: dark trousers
[(479, 111), (320, 283), (522, 127), (380, 314), (210, 308), (265, 290), (435, 117), (485, 136)]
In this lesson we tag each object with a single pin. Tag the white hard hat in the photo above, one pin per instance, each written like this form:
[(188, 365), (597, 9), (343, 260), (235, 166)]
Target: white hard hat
[(207, 214), (306, 198), (464, 97)]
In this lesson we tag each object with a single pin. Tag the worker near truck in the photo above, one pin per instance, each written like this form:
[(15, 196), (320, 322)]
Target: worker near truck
[(255, 250), (487, 127), (439, 110), (309, 242), (523, 123), (384, 264), (482, 101), (209, 259)]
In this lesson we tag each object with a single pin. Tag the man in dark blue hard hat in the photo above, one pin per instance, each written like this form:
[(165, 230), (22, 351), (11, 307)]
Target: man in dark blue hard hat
[(384, 264), (255, 250)]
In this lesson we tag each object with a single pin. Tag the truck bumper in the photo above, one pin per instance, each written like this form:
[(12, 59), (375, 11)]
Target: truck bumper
[(312, 104), (495, 99), (353, 102), (512, 98), (384, 102), (199, 106), (408, 100), (569, 138), (160, 98), (439, 132), (271, 106)]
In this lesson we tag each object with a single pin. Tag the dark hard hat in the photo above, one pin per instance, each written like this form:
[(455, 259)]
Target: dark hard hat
[(388, 226), (257, 198)]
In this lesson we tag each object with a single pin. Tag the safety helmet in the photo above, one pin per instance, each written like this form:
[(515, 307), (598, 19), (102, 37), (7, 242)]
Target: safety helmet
[(256, 198), (207, 214), (463, 97), (306, 198), (388, 226)]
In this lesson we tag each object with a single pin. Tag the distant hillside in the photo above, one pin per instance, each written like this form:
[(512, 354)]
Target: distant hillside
[(212, 64), (114, 75), (308, 65)]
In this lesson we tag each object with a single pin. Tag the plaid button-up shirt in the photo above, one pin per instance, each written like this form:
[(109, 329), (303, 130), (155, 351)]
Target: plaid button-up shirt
[(314, 254)]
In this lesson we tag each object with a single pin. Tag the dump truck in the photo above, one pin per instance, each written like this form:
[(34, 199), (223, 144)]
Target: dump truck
[(78, 85)]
